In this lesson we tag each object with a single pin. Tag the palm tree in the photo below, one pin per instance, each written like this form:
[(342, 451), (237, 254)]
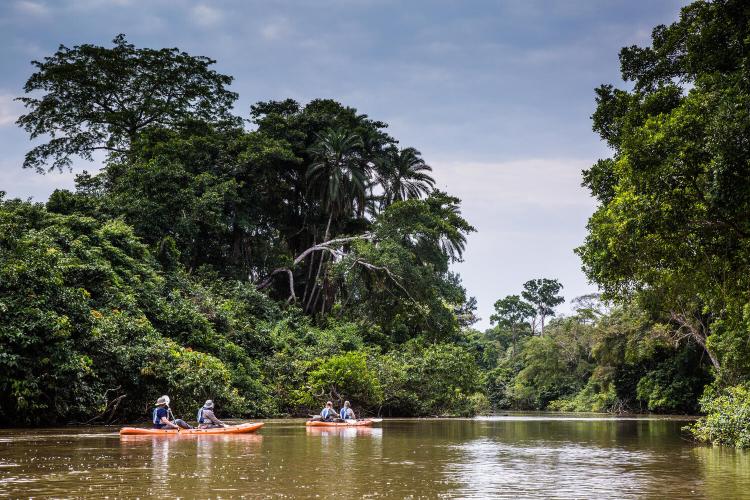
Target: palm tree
[(404, 175), (339, 176)]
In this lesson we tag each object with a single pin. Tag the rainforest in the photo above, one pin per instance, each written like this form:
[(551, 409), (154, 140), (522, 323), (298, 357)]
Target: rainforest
[(277, 257)]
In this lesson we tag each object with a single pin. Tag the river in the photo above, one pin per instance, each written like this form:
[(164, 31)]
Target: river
[(516, 456)]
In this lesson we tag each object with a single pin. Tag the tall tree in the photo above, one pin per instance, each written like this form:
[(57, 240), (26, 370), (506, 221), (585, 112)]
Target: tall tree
[(672, 226), (97, 98), (300, 212), (513, 313), (543, 294), (336, 174)]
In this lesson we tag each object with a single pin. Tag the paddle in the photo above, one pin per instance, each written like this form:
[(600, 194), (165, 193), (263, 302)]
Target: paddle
[(173, 418)]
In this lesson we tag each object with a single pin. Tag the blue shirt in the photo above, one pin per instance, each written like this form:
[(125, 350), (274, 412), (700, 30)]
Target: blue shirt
[(158, 413)]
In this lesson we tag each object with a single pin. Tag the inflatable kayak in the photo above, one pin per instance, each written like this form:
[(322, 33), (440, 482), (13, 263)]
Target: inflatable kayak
[(352, 423), (234, 429)]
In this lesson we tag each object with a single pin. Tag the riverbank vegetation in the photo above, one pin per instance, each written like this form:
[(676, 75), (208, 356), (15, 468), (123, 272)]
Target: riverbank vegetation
[(671, 229), (270, 269), (307, 256)]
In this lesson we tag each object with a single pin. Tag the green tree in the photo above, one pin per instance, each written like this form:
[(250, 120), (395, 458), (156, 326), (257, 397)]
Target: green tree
[(96, 98), (400, 277), (437, 379), (90, 327), (347, 376), (513, 314), (337, 175), (672, 227), (403, 175), (302, 216), (542, 294)]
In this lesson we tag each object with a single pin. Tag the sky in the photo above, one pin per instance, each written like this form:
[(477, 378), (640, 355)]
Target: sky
[(497, 95)]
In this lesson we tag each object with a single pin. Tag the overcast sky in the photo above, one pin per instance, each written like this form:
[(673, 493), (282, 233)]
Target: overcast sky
[(497, 96)]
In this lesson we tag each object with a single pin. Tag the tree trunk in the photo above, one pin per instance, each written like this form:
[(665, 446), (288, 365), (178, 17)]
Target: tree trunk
[(542, 332), (310, 265), (698, 332), (320, 265)]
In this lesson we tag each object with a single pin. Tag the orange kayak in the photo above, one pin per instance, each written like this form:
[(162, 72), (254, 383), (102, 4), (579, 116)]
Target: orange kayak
[(353, 423), (234, 429)]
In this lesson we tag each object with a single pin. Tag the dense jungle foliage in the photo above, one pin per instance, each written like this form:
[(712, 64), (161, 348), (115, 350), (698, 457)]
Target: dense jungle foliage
[(672, 231), (269, 269), (307, 257)]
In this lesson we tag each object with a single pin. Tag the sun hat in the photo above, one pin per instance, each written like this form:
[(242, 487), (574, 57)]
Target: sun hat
[(208, 404), (164, 400)]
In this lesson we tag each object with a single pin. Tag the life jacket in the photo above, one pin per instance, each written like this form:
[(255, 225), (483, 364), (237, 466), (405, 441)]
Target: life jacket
[(327, 413), (155, 419), (200, 415)]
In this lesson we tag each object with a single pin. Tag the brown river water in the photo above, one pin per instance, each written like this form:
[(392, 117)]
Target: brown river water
[(515, 456)]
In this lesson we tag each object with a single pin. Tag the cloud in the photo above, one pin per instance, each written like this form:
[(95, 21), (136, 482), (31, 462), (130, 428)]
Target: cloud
[(536, 182), (275, 29), (32, 8), (206, 16), (530, 214), (23, 183), (96, 4), (10, 110)]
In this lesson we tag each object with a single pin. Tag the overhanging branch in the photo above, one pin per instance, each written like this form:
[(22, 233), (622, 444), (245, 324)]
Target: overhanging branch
[(333, 247)]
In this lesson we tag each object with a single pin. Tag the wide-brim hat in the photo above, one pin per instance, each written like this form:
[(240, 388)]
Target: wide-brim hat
[(208, 404), (164, 400)]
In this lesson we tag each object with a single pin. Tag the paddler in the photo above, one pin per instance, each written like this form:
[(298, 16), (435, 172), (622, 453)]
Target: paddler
[(206, 417), (161, 414), (346, 412), (328, 414)]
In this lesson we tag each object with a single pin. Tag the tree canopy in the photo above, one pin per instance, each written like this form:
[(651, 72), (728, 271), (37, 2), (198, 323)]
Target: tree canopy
[(672, 229), (98, 98), (269, 262)]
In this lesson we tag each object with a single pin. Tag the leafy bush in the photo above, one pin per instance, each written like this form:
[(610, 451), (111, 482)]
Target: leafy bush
[(546, 374), (437, 379), (89, 320), (347, 376), (594, 397), (727, 420)]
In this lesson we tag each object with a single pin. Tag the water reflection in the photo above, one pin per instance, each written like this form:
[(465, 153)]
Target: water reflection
[(725, 471), (345, 432), (488, 467), (189, 463), (506, 457)]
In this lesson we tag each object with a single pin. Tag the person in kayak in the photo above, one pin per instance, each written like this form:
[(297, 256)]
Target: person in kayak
[(346, 412), (328, 414), (206, 417), (161, 413)]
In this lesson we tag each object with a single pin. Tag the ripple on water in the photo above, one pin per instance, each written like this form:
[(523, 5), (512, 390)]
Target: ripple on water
[(488, 467)]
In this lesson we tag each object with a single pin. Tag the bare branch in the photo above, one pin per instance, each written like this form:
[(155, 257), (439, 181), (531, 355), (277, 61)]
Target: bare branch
[(330, 246), (693, 328)]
